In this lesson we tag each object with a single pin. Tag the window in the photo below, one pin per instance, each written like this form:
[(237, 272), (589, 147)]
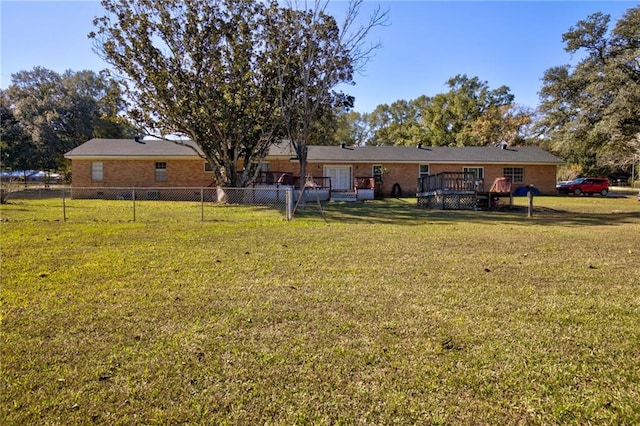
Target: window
[(478, 172), (97, 172), (378, 173), (423, 171), (515, 173), (208, 167), (161, 171)]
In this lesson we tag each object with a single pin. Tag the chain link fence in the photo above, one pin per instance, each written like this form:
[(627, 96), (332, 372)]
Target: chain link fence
[(145, 204)]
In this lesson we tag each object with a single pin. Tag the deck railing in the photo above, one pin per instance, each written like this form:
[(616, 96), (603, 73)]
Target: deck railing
[(319, 182), (364, 182), (450, 181), (288, 178)]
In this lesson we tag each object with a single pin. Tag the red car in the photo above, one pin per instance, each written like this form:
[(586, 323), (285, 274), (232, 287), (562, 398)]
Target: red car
[(585, 186)]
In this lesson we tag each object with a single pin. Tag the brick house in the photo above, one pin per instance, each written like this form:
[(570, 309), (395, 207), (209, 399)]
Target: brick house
[(401, 166), (138, 163), (158, 163)]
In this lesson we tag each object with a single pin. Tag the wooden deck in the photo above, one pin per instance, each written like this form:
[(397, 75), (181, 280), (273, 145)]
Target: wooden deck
[(462, 191)]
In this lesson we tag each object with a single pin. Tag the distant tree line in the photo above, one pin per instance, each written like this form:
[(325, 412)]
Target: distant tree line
[(45, 114), (589, 113), (237, 77), (469, 114)]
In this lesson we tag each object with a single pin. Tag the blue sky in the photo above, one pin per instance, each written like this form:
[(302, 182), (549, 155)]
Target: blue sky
[(424, 44)]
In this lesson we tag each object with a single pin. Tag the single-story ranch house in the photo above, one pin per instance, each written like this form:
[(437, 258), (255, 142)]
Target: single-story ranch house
[(394, 169)]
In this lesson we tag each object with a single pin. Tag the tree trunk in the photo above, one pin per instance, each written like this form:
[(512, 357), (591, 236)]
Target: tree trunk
[(301, 151)]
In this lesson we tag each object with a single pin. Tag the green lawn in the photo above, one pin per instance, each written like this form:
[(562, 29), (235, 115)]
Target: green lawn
[(385, 314)]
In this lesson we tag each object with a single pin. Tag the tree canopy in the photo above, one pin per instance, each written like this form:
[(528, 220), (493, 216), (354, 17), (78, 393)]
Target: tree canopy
[(470, 113), (591, 111), (45, 114), (234, 76), (312, 61), (238, 76), (201, 69)]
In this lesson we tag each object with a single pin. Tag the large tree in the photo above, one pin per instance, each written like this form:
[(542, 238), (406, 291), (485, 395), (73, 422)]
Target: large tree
[(235, 76), (16, 147), (591, 111), (201, 69), (52, 113), (398, 123), (470, 113), (352, 128), (315, 55)]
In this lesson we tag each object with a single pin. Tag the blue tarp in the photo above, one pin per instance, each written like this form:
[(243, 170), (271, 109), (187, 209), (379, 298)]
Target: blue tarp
[(522, 191)]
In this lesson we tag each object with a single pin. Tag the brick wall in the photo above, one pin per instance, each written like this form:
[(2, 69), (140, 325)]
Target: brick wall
[(190, 173), (141, 173), (542, 177), (283, 165), (406, 175)]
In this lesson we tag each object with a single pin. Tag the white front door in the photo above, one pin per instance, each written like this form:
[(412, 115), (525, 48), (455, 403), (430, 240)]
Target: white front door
[(340, 177)]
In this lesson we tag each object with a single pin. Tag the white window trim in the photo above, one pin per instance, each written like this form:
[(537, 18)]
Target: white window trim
[(468, 169), (379, 177), (161, 174), (97, 171), (512, 176)]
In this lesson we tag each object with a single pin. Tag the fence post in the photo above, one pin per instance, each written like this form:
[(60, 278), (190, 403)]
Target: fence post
[(288, 203), (530, 198), (64, 205), (201, 204), (133, 198)]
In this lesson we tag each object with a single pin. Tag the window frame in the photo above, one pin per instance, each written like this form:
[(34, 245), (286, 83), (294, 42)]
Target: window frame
[(422, 173), (513, 173), (161, 172), (377, 171), (97, 171), (474, 169)]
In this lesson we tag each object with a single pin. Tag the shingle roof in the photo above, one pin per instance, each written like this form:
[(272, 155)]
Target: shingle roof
[(405, 154), (282, 149), (128, 148), (120, 148)]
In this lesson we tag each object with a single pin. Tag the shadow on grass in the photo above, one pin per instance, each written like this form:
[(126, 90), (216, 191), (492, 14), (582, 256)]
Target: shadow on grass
[(404, 211)]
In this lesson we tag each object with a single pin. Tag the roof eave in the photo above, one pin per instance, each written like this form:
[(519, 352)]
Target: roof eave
[(98, 157), (425, 161)]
